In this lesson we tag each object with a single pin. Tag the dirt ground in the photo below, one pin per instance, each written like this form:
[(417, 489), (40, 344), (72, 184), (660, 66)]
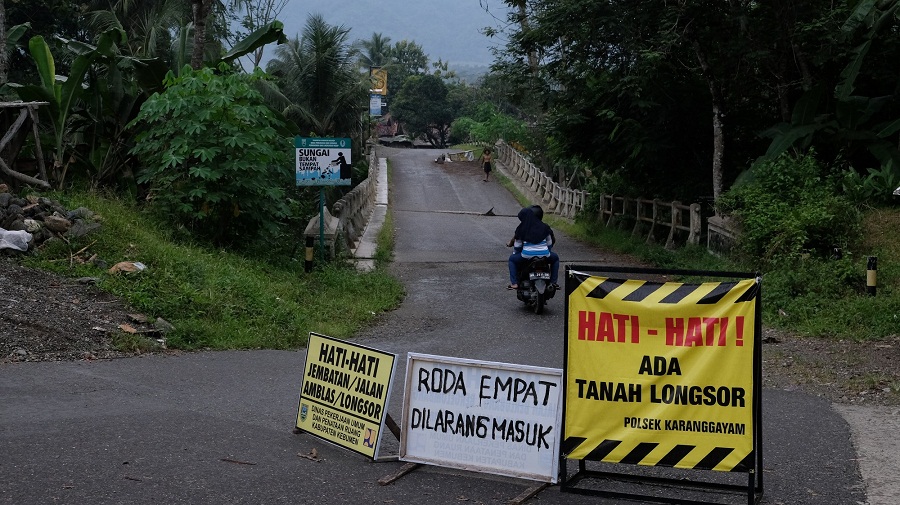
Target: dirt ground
[(45, 317)]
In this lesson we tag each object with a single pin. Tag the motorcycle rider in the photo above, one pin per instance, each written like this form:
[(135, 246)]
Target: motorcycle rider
[(532, 239)]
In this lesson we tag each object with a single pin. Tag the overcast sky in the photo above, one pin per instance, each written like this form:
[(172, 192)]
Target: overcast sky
[(446, 29)]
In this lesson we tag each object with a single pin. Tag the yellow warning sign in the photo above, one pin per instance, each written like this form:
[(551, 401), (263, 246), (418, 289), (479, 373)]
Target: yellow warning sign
[(345, 392), (661, 374)]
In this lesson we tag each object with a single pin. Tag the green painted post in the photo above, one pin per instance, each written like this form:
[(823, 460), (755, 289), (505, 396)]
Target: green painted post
[(322, 223)]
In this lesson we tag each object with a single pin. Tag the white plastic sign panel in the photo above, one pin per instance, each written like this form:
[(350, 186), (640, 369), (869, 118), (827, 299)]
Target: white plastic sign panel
[(323, 161), (496, 418)]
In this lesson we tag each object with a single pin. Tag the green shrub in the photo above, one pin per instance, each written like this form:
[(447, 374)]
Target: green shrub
[(461, 130), (790, 209), (489, 125), (211, 154), (876, 188)]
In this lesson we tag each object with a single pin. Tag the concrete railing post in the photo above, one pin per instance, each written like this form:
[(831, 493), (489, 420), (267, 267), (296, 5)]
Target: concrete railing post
[(696, 224), (674, 223)]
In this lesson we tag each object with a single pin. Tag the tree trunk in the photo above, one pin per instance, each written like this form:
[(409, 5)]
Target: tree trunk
[(718, 125), (532, 55), (4, 54), (200, 11)]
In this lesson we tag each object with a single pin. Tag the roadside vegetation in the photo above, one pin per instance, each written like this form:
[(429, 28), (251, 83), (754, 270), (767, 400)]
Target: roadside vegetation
[(818, 297), (783, 117), (810, 245), (216, 298), (810, 192)]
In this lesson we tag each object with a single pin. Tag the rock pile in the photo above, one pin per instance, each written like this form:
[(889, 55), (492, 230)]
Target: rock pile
[(43, 218)]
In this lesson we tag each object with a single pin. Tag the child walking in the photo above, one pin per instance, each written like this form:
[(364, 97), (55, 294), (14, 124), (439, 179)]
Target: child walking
[(486, 163)]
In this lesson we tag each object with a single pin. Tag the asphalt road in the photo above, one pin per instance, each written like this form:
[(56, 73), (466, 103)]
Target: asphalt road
[(216, 427)]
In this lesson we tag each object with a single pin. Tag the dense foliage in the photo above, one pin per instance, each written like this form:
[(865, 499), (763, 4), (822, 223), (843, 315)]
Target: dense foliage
[(212, 154), (790, 208), (681, 98)]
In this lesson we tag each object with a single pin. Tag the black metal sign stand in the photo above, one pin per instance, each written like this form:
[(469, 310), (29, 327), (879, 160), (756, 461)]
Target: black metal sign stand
[(753, 491)]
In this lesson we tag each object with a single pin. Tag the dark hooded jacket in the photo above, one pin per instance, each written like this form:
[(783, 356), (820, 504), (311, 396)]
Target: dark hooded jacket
[(531, 229)]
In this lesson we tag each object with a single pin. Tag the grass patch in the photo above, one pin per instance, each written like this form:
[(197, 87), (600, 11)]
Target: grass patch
[(131, 343), (217, 299), (809, 296), (689, 257), (385, 248)]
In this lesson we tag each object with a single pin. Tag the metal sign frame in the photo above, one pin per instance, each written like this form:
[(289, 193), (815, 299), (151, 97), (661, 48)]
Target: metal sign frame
[(754, 487)]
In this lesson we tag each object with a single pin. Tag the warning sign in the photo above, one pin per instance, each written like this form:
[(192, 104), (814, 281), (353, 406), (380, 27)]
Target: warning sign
[(488, 417), (345, 392), (661, 373), (323, 161)]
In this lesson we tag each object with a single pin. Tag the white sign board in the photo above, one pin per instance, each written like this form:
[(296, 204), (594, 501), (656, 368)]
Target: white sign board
[(483, 416)]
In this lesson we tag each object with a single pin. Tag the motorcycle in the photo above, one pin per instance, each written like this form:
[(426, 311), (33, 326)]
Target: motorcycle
[(535, 287)]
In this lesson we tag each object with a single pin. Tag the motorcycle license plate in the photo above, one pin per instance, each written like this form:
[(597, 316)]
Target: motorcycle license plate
[(539, 275)]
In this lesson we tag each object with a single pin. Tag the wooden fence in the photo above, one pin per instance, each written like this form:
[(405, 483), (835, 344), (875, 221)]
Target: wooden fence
[(674, 222), (654, 219)]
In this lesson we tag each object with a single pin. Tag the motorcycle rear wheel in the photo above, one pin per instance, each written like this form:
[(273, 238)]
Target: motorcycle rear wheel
[(539, 303)]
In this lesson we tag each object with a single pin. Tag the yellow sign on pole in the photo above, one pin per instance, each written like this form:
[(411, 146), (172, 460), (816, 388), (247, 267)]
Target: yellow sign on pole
[(661, 373), (379, 81), (345, 392)]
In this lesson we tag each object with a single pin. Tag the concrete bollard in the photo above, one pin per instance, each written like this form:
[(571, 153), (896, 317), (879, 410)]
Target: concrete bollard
[(310, 244), (871, 275)]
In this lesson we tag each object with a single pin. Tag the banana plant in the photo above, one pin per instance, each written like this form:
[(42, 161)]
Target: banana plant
[(88, 108), (62, 93), (844, 119)]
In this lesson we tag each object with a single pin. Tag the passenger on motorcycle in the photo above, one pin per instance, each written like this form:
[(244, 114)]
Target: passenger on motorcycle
[(532, 239)]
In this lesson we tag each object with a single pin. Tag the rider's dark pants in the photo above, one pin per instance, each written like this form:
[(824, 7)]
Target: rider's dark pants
[(516, 260)]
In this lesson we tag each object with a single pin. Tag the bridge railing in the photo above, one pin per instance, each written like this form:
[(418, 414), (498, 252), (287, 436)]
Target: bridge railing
[(655, 220), (566, 202), (355, 208), (347, 220)]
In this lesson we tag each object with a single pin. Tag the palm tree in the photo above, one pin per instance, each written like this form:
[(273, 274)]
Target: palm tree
[(375, 52), (322, 91)]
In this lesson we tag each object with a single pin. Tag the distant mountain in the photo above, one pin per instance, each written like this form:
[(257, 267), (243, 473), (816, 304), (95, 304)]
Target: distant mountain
[(470, 74), (446, 29)]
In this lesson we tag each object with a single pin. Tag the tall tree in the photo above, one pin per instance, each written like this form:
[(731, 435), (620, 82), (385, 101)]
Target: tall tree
[(407, 59), (674, 95), (253, 15), (422, 106), (200, 10), (316, 73), (375, 52)]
